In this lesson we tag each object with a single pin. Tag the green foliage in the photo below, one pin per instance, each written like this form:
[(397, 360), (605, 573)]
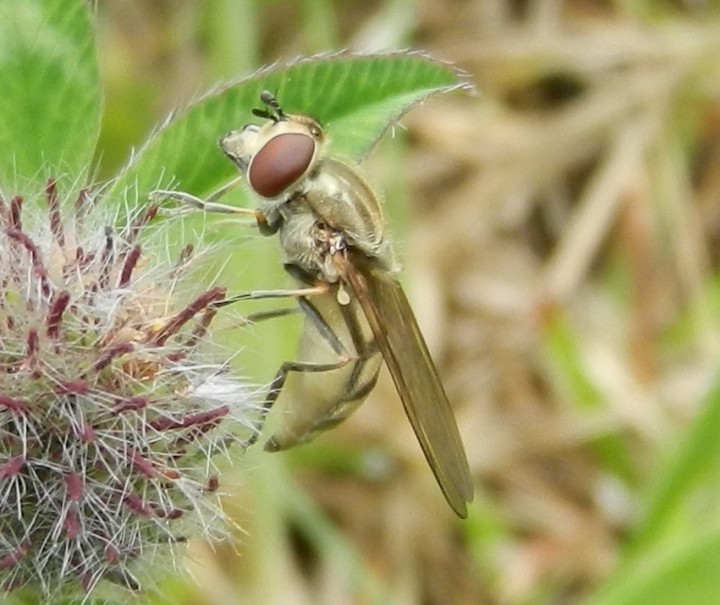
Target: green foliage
[(684, 570), (51, 107), (50, 101), (50, 110), (689, 480), (674, 554), (356, 97)]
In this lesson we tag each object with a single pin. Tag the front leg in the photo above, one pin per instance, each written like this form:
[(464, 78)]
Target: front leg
[(262, 222)]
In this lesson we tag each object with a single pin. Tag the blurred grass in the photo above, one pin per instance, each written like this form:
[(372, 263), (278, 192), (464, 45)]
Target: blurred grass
[(560, 236)]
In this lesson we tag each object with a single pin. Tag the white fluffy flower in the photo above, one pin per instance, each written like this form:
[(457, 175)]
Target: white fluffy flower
[(111, 404)]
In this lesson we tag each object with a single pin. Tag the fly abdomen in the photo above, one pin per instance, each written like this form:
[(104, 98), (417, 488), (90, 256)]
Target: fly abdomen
[(333, 375)]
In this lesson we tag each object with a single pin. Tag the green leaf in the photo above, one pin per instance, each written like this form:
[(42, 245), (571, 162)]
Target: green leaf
[(675, 553), (687, 573), (690, 483), (356, 97), (50, 101)]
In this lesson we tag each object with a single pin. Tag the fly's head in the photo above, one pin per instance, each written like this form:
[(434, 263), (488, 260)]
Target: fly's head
[(277, 156)]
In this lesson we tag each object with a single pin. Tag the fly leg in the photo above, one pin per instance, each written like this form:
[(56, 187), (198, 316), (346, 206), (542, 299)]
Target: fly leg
[(211, 204), (355, 349), (327, 334), (190, 200), (298, 293), (278, 381), (253, 318)]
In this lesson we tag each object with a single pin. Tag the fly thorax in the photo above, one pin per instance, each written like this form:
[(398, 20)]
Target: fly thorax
[(341, 198), (289, 207), (309, 243)]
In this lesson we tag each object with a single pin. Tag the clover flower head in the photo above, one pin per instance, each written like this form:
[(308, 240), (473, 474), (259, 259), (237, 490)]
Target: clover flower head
[(112, 408)]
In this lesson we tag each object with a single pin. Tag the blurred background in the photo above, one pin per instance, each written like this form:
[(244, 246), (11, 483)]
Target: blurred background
[(560, 232)]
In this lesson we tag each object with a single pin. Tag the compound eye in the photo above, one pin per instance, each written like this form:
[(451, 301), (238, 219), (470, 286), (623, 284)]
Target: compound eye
[(280, 163)]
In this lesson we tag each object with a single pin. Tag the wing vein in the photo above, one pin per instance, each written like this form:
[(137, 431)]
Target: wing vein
[(403, 347)]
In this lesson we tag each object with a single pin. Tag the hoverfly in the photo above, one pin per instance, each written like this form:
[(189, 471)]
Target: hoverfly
[(331, 229)]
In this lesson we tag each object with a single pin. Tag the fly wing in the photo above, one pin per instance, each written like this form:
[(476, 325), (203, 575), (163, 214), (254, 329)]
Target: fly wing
[(403, 347)]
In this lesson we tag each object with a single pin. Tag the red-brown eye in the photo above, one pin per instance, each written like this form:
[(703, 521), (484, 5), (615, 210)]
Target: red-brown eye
[(281, 162)]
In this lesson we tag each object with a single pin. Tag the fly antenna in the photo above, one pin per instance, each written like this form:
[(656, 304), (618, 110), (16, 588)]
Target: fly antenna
[(272, 110)]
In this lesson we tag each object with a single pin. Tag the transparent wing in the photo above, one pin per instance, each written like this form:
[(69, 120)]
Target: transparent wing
[(403, 347)]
